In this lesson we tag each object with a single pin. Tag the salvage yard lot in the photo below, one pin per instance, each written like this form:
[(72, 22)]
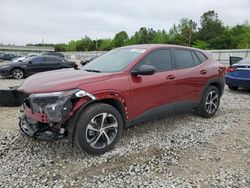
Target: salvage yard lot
[(179, 150)]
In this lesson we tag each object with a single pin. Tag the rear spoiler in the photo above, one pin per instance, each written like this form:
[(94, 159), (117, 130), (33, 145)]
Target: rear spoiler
[(234, 59), (12, 97)]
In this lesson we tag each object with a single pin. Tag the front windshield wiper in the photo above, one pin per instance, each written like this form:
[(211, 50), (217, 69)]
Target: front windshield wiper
[(92, 70)]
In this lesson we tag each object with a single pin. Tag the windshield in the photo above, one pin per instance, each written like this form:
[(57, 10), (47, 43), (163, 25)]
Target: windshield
[(114, 60)]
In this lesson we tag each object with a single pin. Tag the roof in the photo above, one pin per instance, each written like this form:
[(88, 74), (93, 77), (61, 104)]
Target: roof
[(152, 46)]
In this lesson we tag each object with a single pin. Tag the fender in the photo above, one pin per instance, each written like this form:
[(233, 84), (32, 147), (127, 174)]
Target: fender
[(118, 97), (213, 81), (83, 103)]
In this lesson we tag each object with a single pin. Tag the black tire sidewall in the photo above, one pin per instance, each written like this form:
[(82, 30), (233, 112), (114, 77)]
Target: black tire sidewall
[(233, 87), (202, 109), (82, 122)]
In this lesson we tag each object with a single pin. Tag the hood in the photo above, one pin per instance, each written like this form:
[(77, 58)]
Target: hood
[(13, 64), (60, 80)]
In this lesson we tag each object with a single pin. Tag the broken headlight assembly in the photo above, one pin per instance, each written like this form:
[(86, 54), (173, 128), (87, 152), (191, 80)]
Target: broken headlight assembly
[(56, 105)]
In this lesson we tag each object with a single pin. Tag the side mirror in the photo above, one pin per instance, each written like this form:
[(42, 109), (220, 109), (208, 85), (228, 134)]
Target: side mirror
[(30, 62), (144, 70), (83, 63)]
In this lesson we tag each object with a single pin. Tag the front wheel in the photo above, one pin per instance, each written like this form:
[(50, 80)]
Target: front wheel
[(17, 73), (210, 102), (98, 128)]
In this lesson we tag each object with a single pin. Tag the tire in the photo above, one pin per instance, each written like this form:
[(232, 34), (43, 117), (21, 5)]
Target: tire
[(92, 135), (17, 73), (233, 87), (210, 102)]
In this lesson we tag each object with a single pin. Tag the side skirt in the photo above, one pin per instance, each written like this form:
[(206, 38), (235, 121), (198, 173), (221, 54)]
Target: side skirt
[(163, 110)]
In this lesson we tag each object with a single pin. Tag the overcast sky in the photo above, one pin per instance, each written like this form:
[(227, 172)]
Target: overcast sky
[(55, 21)]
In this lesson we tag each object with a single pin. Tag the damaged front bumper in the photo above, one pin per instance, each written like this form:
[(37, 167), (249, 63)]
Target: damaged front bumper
[(40, 131), (45, 115)]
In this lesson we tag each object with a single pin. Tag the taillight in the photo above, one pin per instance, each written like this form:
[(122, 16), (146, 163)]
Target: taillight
[(230, 69)]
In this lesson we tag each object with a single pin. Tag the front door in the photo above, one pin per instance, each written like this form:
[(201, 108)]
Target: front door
[(151, 91)]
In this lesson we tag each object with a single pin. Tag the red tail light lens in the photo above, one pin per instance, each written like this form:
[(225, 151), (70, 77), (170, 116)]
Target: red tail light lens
[(230, 69)]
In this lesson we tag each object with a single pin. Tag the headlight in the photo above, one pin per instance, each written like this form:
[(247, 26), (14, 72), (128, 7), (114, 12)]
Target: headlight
[(5, 66), (56, 103)]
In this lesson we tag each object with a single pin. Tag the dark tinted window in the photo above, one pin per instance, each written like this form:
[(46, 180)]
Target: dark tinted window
[(201, 56), (37, 60), (196, 60), (160, 59), (50, 59), (183, 58)]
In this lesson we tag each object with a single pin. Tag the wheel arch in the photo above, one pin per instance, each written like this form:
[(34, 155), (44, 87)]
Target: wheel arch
[(17, 68), (114, 102), (218, 83)]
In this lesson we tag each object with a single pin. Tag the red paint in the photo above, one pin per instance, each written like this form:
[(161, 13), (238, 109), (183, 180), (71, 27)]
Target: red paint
[(136, 94), (35, 116)]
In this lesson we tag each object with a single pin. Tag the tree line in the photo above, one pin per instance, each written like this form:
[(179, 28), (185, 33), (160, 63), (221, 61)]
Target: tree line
[(212, 34)]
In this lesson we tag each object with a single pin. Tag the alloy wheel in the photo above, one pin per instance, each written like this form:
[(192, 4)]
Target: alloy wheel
[(102, 130), (212, 102), (18, 74)]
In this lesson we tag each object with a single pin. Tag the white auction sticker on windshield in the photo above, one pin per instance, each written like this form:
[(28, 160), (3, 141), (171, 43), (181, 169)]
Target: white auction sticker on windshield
[(138, 50)]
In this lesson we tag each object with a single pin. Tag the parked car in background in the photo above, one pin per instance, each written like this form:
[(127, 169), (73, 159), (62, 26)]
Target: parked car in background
[(7, 57), (123, 87), (85, 61), (238, 74), (34, 65), (58, 54), (20, 59)]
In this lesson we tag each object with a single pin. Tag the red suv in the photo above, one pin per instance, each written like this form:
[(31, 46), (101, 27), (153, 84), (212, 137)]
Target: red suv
[(123, 87)]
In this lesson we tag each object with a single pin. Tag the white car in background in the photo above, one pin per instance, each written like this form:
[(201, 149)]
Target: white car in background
[(20, 59)]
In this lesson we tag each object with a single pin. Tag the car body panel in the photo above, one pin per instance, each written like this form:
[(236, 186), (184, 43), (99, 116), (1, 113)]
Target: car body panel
[(138, 95), (31, 68), (63, 79), (240, 76)]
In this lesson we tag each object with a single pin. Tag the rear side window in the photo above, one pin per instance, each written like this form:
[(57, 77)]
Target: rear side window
[(201, 56), (196, 60), (37, 60), (50, 59), (160, 59), (183, 58)]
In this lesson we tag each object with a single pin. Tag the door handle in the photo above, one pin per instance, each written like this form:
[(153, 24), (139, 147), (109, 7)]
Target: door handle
[(203, 71), (170, 77)]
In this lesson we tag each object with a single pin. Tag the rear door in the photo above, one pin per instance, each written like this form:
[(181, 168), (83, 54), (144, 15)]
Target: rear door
[(155, 90), (51, 63), (191, 73)]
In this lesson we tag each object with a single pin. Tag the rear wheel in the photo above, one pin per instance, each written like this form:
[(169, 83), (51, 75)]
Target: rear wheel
[(233, 87), (98, 128), (210, 102), (17, 73)]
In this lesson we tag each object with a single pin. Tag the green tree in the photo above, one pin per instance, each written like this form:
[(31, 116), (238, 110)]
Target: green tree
[(144, 35), (120, 39), (211, 27), (200, 44), (187, 28), (160, 37), (106, 44)]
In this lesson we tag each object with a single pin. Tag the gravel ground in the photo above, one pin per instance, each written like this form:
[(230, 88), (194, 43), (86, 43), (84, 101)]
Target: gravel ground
[(180, 150)]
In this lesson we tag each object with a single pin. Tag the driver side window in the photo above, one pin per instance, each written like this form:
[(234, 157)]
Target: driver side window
[(160, 59)]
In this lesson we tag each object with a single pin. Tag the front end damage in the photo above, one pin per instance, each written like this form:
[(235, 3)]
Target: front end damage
[(45, 116)]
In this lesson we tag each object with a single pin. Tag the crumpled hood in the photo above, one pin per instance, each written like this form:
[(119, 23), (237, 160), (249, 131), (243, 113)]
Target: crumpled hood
[(60, 80)]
